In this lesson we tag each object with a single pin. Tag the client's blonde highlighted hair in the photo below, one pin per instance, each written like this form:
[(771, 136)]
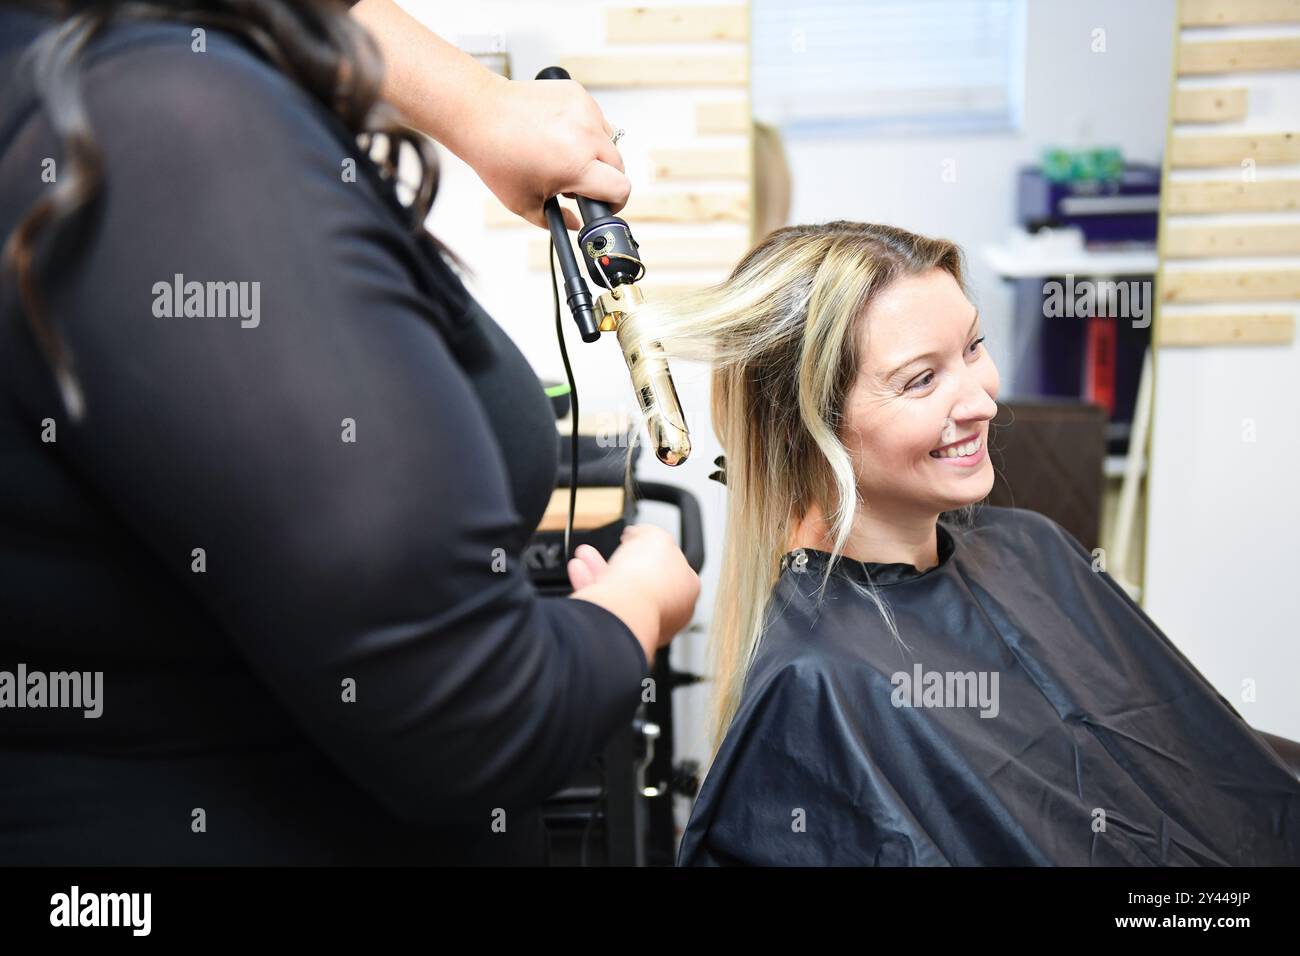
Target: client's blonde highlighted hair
[(779, 333)]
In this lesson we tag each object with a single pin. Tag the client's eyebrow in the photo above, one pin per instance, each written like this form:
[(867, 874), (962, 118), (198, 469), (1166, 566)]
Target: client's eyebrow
[(930, 355)]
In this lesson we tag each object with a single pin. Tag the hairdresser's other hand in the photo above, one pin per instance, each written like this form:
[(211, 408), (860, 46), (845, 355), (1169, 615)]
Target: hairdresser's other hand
[(532, 139), (586, 567), (646, 582), (649, 559)]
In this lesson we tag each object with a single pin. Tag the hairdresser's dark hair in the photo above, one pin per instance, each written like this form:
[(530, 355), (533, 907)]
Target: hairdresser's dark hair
[(316, 43)]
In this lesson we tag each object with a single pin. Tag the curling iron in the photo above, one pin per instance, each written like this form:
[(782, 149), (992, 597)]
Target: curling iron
[(614, 263)]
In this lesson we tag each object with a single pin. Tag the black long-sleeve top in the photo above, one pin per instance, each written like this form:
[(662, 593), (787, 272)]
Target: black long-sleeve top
[(266, 515)]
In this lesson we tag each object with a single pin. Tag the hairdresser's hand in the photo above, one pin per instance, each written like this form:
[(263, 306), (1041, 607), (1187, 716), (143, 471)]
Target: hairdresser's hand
[(646, 582), (531, 139), (527, 139)]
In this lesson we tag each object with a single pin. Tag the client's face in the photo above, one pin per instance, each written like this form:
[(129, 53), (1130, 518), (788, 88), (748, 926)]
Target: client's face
[(921, 363)]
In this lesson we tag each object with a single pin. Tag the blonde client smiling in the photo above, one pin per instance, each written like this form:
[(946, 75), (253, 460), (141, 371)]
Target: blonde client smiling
[(867, 599)]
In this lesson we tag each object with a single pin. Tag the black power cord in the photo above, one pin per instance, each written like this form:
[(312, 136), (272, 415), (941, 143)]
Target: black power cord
[(573, 399), (598, 805)]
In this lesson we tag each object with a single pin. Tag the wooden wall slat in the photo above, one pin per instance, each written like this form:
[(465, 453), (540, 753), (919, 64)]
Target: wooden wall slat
[(732, 117), (1262, 195), (724, 163), (1234, 56), (1242, 328), (611, 72), (1207, 13), (1210, 105), (1228, 285), (1219, 150), (1265, 239), (676, 24)]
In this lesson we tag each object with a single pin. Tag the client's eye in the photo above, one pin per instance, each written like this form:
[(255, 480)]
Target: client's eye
[(928, 377)]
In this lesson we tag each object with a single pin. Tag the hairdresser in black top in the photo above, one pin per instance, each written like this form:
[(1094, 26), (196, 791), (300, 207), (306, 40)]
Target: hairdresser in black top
[(287, 536)]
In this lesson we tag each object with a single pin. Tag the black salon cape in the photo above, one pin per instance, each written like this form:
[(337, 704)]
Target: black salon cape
[(1108, 747)]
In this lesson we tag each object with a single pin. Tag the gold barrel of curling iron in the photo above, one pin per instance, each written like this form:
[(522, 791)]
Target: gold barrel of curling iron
[(651, 379)]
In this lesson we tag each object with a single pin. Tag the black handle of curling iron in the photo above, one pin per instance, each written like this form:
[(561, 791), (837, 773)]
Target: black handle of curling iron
[(575, 288), (590, 208)]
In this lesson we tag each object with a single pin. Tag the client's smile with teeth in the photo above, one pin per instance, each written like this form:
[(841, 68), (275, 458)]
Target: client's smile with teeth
[(958, 449)]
